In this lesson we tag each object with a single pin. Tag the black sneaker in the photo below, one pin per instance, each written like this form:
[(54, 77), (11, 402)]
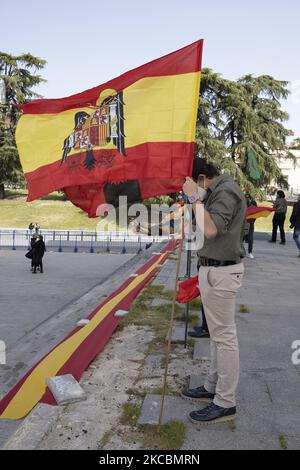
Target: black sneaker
[(272, 241), (197, 394), (282, 243), (213, 414), (199, 333)]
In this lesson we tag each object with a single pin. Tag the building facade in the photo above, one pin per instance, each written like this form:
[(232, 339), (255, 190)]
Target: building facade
[(291, 173)]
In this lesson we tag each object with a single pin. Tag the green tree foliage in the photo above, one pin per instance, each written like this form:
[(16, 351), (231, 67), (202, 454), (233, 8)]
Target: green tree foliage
[(238, 117), (19, 74)]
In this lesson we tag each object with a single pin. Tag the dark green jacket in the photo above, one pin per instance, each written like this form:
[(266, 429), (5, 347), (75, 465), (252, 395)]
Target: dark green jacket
[(226, 205)]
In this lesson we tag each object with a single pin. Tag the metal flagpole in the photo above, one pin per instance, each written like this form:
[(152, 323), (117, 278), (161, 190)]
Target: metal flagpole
[(188, 276), (188, 220)]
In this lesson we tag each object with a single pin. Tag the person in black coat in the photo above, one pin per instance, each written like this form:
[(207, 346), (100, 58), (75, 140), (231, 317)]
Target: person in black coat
[(250, 235), (295, 223), (281, 207), (32, 242), (38, 251)]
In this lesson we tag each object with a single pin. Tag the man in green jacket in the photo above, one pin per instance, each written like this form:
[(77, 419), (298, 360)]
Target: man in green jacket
[(220, 276)]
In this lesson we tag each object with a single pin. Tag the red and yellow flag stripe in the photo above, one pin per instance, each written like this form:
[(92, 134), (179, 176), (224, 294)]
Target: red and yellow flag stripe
[(254, 213)]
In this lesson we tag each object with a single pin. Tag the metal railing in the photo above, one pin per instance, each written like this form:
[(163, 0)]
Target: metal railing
[(79, 241)]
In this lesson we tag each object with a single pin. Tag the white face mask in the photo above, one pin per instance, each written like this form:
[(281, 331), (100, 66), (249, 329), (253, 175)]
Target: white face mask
[(202, 193)]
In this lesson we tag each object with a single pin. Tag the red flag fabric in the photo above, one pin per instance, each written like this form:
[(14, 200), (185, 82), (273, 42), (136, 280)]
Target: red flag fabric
[(188, 290)]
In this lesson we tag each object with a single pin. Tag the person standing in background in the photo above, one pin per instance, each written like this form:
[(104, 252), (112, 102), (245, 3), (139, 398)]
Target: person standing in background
[(32, 242), (38, 252), (295, 223), (279, 217), (250, 234)]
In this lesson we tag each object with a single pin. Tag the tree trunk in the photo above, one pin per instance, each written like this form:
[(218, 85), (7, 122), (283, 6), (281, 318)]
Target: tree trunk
[(2, 191)]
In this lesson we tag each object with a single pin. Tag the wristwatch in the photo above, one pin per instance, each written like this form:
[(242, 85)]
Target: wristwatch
[(193, 199)]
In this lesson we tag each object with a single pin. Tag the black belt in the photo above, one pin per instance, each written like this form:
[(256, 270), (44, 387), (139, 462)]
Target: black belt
[(216, 263)]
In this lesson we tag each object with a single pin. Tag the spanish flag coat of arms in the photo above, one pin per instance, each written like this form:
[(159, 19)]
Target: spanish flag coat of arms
[(132, 136)]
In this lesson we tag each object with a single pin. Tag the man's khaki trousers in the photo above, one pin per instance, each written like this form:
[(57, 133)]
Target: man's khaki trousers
[(218, 287)]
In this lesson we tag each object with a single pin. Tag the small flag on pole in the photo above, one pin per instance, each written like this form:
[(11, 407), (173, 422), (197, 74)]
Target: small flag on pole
[(253, 166)]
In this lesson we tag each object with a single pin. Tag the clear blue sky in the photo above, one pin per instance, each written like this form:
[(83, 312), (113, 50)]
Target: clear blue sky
[(91, 41)]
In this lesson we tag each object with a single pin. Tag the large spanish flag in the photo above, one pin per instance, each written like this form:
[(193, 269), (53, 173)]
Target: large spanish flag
[(133, 135)]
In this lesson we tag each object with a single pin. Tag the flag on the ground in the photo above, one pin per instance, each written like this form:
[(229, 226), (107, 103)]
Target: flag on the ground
[(257, 212), (188, 290), (252, 165), (133, 135)]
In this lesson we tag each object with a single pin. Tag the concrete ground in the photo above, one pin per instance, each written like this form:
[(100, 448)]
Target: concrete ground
[(27, 299)]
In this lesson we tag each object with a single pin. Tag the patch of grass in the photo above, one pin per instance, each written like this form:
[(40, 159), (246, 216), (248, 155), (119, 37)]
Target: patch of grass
[(244, 309), (168, 295), (170, 437), (232, 426), (156, 292), (137, 392), (52, 211), (141, 313), (163, 308), (141, 393), (191, 342), (130, 414), (195, 304), (135, 315), (283, 443), (194, 320), (169, 391), (151, 292), (106, 438)]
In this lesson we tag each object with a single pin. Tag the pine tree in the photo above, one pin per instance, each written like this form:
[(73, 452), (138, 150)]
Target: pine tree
[(241, 118), (19, 74)]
